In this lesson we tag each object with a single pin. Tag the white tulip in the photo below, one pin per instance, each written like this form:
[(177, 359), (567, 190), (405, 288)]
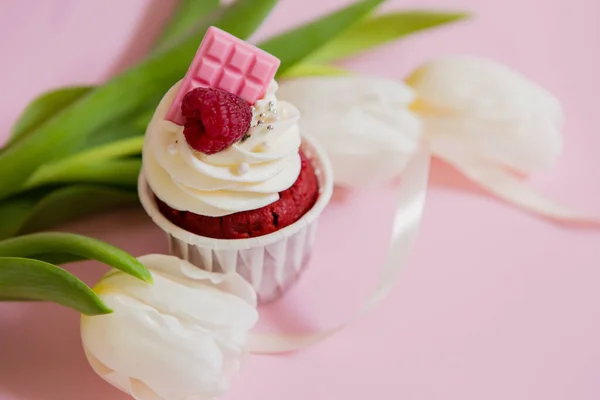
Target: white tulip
[(363, 123), (474, 106), (181, 338)]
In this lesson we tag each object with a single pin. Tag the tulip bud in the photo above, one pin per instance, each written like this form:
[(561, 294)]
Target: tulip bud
[(363, 123), (475, 106), (181, 338)]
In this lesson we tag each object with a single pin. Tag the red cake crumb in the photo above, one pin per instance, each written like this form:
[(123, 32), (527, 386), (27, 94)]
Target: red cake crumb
[(291, 206)]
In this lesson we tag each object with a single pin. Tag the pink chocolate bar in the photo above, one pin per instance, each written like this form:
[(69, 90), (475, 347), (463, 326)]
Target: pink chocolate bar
[(226, 62)]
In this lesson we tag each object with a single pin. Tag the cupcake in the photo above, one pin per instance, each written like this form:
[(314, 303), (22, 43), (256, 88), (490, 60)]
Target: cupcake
[(227, 173)]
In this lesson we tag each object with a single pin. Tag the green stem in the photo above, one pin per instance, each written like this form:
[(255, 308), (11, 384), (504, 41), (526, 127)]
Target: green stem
[(28, 246)]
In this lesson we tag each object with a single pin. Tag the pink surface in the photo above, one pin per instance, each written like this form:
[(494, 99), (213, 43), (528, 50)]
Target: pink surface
[(495, 304), (226, 62)]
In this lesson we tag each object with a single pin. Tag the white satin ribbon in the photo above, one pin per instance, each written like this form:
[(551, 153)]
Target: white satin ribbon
[(498, 181), (409, 210)]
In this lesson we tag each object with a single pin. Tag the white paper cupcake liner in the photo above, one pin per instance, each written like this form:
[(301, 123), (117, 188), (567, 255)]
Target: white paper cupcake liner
[(271, 263)]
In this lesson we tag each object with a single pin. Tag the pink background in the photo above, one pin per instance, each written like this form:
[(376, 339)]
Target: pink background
[(496, 304)]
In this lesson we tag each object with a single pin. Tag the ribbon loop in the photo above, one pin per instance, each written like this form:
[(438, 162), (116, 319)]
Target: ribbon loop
[(498, 181), (407, 220)]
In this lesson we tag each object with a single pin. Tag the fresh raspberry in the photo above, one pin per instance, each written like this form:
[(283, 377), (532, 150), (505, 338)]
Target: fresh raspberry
[(214, 119)]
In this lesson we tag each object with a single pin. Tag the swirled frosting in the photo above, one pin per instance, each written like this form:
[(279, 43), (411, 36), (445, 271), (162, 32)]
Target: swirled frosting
[(246, 176)]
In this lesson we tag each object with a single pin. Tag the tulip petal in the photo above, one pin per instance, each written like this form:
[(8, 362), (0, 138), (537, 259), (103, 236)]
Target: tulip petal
[(509, 188), (486, 108), (362, 122)]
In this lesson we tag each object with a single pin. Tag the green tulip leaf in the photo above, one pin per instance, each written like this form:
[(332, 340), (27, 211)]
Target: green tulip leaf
[(184, 18), (43, 108), (121, 172), (121, 96), (28, 246), (379, 30), (116, 131), (142, 120), (73, 202), (114, 149), (98, 165), (58, 258), (36, 211), (23, 279), (241, 18), (293, 46), (14, 212), (306, 69)]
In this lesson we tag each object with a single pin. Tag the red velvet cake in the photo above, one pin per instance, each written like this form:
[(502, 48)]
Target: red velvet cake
[(291, 206)]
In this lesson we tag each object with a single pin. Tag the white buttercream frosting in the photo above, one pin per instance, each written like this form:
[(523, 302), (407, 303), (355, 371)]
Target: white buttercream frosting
[(246, 176)]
